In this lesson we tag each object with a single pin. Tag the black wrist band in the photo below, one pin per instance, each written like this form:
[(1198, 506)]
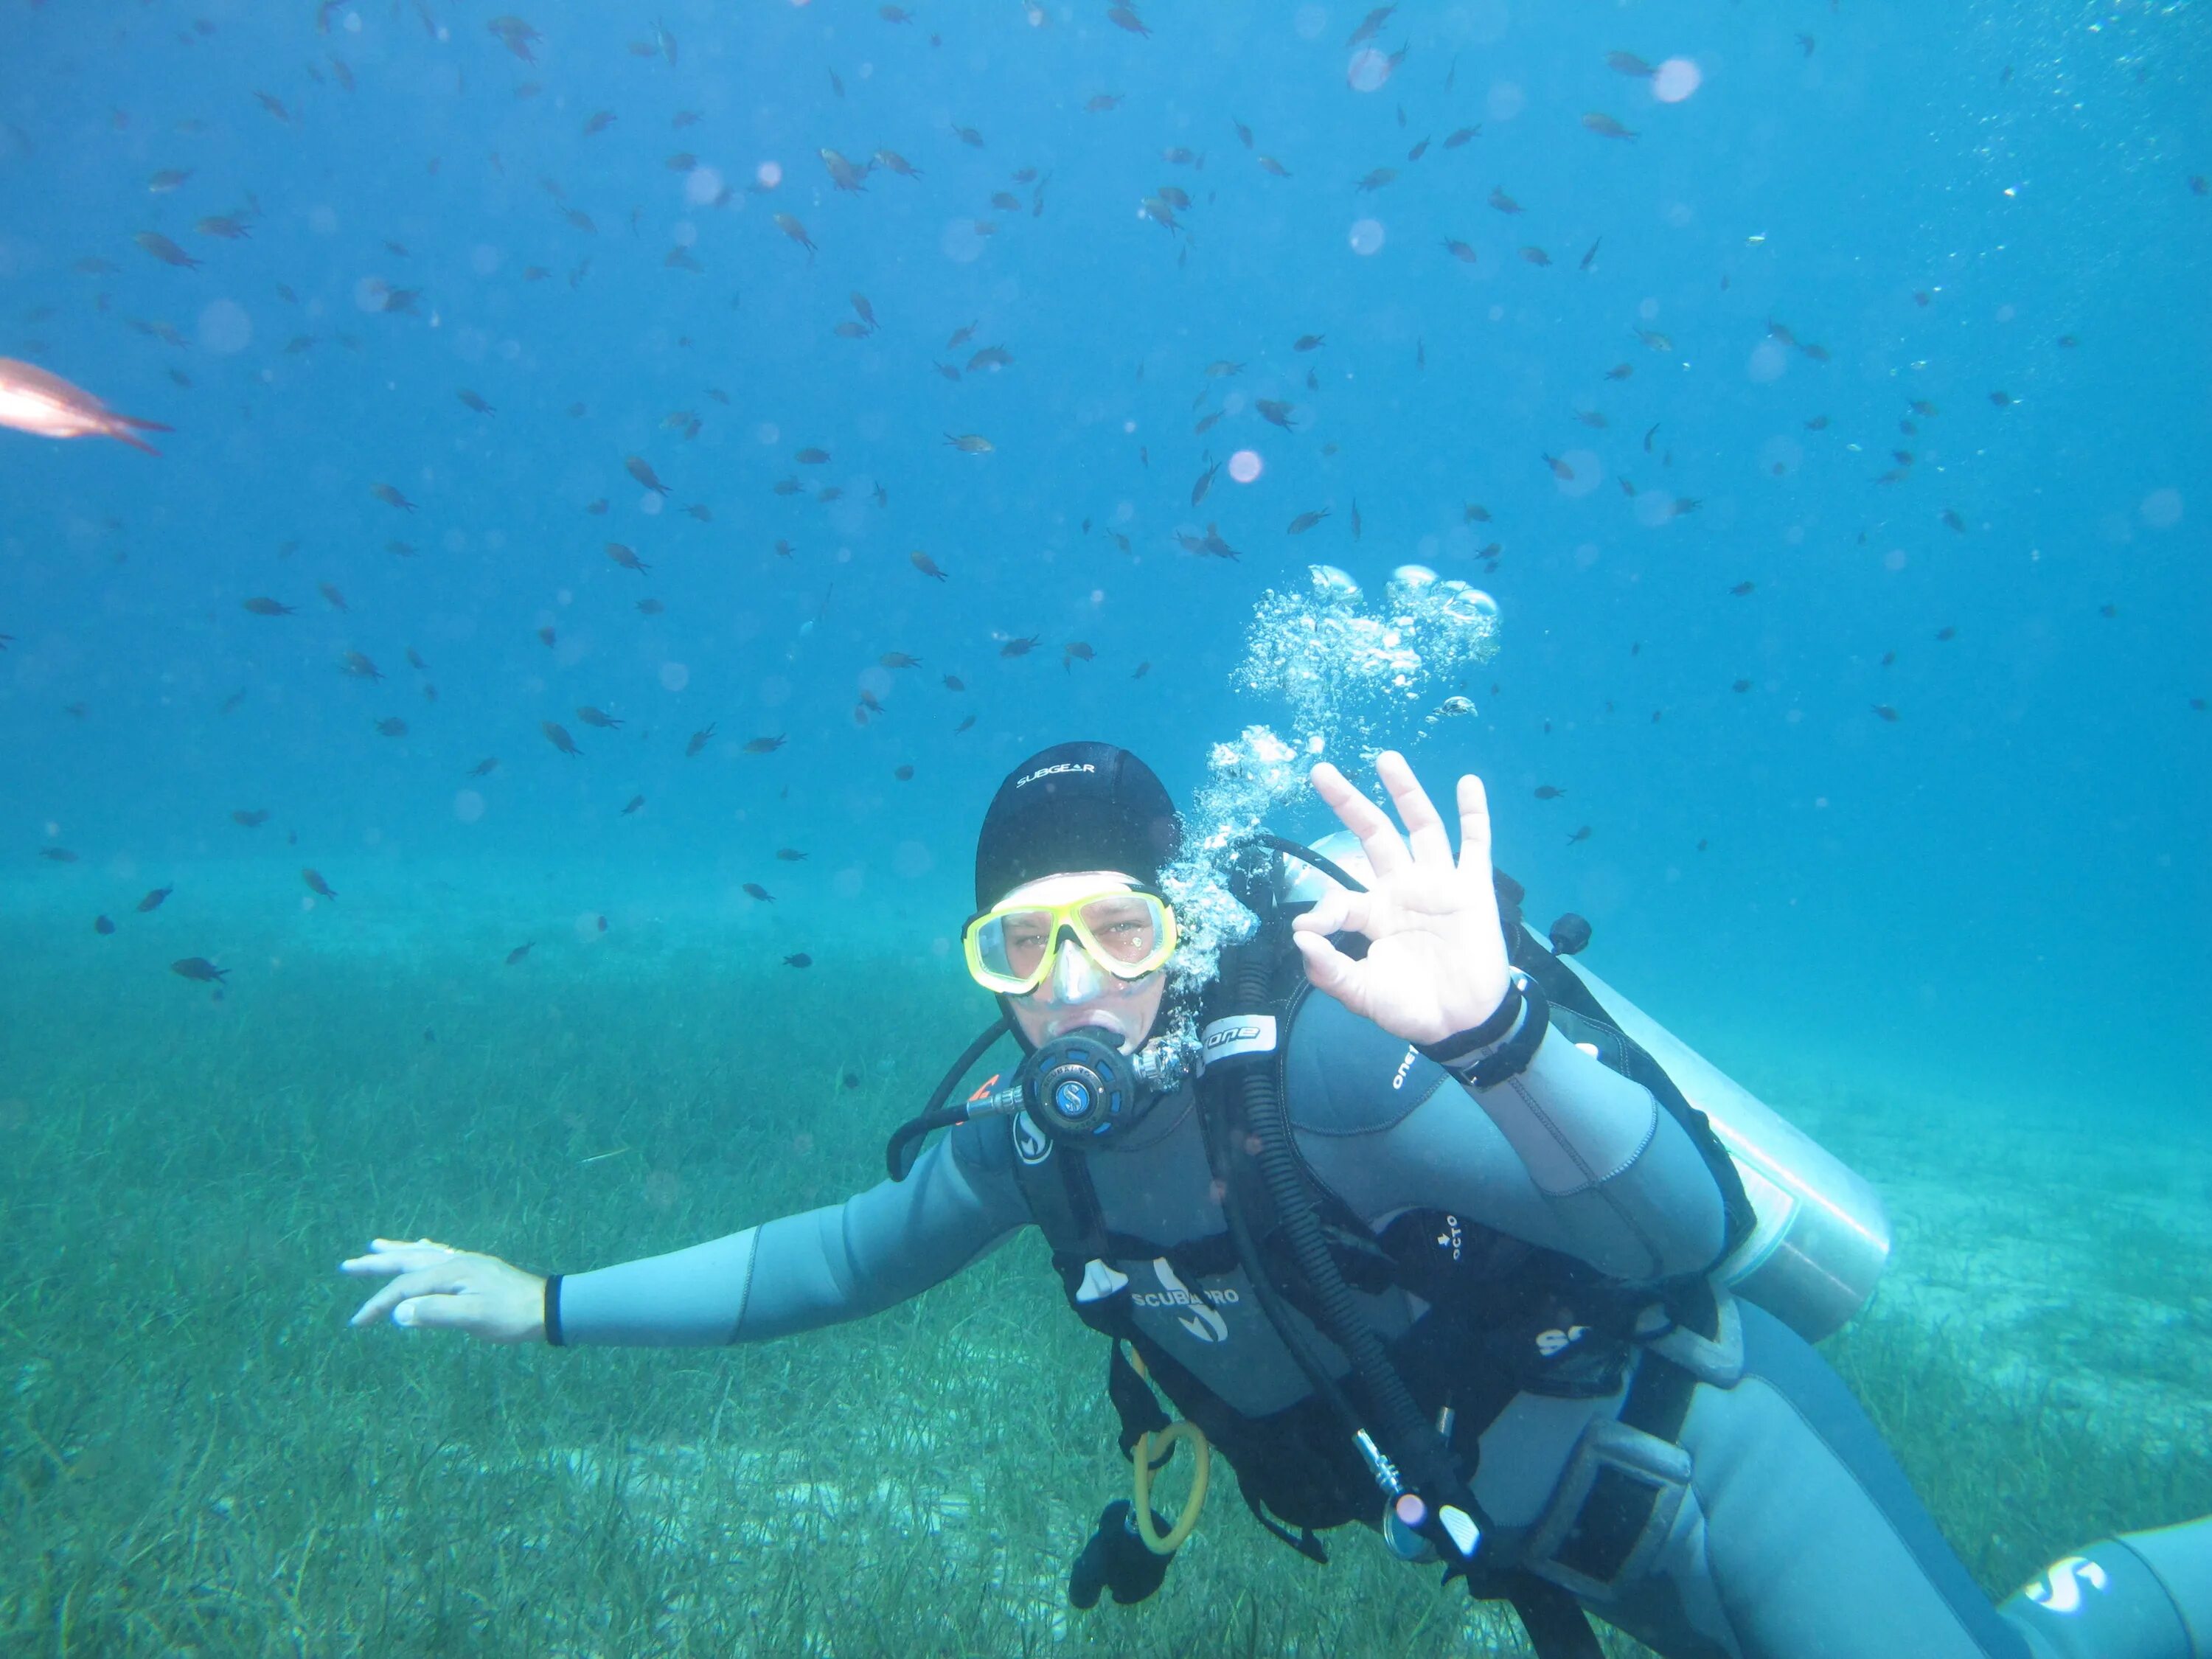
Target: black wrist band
[(1492, 1029), (553, 1311), (1487, 1066)]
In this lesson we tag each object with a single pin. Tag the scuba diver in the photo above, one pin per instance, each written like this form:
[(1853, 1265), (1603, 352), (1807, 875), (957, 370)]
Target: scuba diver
[(1435, 1250)]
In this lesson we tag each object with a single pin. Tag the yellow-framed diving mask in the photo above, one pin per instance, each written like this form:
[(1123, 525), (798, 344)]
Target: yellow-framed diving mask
[(1127, 931)]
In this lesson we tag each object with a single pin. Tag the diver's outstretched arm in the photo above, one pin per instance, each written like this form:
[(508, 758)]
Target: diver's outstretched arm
[(795, 1273)]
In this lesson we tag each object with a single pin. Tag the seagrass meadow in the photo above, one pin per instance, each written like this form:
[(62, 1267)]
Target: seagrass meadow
[(197, 1457)]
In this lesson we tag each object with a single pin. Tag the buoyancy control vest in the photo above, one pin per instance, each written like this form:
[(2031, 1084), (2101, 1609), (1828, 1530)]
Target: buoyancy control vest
[(1489, 1301)]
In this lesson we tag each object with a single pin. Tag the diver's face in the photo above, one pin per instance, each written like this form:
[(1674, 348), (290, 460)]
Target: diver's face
[(1077, 992)]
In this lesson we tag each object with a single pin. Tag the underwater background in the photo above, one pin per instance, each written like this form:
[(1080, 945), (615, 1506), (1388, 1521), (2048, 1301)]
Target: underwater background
[(1817, 389)]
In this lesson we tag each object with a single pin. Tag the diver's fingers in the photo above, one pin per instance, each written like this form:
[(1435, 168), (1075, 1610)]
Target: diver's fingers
[(1425, 825), (1329, 968), (1474, 829), (454, 1311), (441, 1280), (390, 1255), (1378, 838), (1337, 911)]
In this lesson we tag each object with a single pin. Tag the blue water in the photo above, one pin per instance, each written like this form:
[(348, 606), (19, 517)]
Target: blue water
[(2003, 889)]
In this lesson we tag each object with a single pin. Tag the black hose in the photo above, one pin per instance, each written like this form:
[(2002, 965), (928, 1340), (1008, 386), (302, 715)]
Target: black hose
[(1327, 866), (937, 1115), (1405, 1433)]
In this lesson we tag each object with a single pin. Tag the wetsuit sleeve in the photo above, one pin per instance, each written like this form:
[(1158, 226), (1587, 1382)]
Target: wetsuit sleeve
[(1569, 1154), (820, 1267)]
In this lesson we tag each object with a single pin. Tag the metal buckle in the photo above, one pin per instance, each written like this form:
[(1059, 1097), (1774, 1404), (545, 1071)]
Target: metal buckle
[(1638, 1478)]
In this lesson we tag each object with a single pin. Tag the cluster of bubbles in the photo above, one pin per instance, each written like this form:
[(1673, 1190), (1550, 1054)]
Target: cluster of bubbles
[(1344, 671), (1345, 668)]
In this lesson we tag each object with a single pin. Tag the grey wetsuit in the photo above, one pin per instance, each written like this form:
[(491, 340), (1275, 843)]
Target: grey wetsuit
[(1795, 1536)]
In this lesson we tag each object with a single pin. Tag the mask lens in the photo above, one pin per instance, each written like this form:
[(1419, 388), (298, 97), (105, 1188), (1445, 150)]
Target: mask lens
[(1012, 944), (1127, 928)]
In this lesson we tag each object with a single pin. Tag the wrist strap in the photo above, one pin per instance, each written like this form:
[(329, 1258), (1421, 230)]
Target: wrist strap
[(553, 1311), (1503, 1045)]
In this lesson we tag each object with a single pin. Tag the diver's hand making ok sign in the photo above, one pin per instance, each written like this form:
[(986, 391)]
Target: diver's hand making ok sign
[(1435, 961)]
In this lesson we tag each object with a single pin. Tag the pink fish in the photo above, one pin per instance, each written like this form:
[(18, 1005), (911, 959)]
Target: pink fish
[(31, 400)]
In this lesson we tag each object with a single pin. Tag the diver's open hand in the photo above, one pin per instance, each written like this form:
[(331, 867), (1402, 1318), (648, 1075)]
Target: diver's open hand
[(437, 1287), (1435, 961)]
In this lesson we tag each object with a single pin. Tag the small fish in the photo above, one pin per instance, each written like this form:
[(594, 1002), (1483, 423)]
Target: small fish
[(599, 718), (354, 666), (790, 854), (165, 250), (800, 959), (102, 925), (518, 952), (1460, 250), (963, 726), (842, 172), (1947, 633), (1019, 647), (1308, 342), (641, 469), (1370, 26), (969, 443), (797, 232), (764, 745), (1818, 423), (903, 773), (152, 900), (484, 768), (891, 162), (1274, 411), (199, 968), (250, 818), (390, 496), (1741, 589), (635, 802), (753, 889), (1307, 520), (391, 726), (1627, 62), (1074, 652), (1582, 834), (627, 557), (473, 401), (954, 682), (927, 566), (1374, 181), (898, 660), (1592, 254), (1560, 470), (2002, 399), (1655, 339), (557, 735), (1462, 135), (1954, 521), (1741, 686), (266, 607), (1535, 256), (47, 406), (316, 884), (1605, 127), (1886, 712)]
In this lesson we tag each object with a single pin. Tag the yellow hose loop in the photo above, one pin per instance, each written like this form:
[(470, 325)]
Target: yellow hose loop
[(1191, 1504)]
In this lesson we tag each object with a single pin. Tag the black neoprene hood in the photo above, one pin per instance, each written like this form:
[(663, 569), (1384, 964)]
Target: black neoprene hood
[(1075, 806)]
